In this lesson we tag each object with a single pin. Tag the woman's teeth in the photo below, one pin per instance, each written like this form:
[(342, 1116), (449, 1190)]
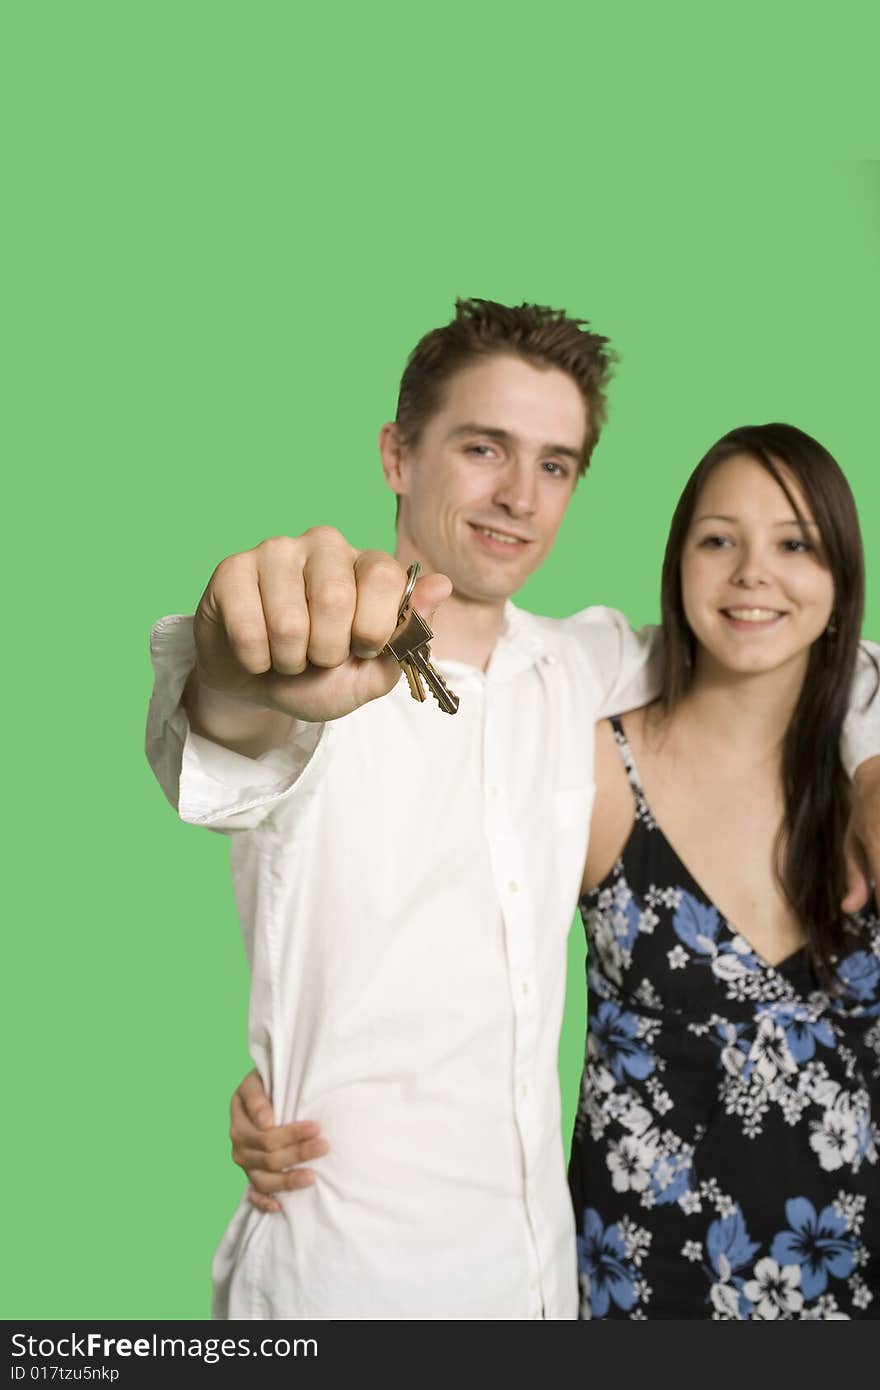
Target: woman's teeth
[(752, 615)]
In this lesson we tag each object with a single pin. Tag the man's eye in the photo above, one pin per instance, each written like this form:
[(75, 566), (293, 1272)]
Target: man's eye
[(482, 451), (555, 469)]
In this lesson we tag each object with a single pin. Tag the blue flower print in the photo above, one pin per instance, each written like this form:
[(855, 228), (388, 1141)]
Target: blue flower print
[(696, 924), (625, 924), (864, 1136), (670, 1176), (860, 973), (614, 1033), (802, 1032), (735, 1045), (817, 1243), (601, 1257), (728, 1245)]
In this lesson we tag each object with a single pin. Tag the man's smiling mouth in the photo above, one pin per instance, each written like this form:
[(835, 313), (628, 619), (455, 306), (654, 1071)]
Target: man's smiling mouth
[(504, 537)]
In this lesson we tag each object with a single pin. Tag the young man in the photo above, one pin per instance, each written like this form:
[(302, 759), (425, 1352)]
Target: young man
[(406, 879)]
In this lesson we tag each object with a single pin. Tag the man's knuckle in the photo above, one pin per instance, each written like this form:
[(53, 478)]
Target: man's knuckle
[(238, 564), (288, 625), (326, 535), (247, 636), (387, 570), (277, 548), (227, 566), (334, 597)]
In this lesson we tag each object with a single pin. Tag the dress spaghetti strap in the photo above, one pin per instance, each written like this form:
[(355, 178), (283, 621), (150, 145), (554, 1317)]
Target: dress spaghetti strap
[(632, 774)]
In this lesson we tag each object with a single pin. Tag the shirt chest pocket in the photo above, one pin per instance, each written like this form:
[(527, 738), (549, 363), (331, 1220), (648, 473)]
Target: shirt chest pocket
[(571, 830), (572, 807)]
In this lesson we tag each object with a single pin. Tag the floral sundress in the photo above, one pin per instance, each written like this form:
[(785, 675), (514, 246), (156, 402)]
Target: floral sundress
[(725, 1156)]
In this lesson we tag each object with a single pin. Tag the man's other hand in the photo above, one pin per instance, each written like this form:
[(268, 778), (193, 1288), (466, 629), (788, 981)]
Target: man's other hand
[(270, 1154), (862, 844)]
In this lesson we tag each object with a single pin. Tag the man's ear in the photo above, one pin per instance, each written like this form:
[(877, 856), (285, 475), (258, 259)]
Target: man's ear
[(393, 458)]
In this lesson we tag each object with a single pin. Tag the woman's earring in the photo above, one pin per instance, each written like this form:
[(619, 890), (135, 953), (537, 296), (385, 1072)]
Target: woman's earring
[(831, 629)]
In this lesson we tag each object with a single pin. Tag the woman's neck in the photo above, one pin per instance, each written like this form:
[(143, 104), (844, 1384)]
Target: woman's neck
[(748, 715)]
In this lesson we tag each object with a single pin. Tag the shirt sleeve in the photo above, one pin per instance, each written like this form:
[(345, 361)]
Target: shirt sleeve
[(624, 664), (861, 729), (206, 783)]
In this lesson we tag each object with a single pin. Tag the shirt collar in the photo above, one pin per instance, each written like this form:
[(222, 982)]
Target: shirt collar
[(522, 642)]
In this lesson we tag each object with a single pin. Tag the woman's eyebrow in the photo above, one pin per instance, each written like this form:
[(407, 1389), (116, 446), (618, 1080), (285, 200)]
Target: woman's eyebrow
[(786, 521)]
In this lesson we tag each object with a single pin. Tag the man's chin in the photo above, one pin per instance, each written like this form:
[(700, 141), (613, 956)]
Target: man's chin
[(489, 589)]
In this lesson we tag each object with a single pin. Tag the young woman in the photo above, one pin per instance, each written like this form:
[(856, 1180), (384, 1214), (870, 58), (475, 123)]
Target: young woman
[(725, 1161)]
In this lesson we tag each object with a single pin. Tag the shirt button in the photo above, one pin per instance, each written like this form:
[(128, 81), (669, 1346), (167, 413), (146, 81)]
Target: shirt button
[(524, 1090), (494, 793), (513, 886), (525, 986)]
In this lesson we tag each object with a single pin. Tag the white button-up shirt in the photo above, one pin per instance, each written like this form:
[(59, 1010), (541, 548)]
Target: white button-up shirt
[(405, 883)]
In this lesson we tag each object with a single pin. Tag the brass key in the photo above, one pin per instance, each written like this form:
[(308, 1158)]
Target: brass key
[(413, 679), (409, 645)]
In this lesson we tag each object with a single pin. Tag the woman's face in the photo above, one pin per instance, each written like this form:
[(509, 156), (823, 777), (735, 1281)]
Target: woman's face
[(757, 590)]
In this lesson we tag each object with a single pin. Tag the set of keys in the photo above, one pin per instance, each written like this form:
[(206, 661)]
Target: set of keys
[(408, 644)]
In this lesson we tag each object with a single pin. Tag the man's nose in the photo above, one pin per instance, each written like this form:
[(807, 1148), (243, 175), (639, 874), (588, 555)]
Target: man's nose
[(517, 490)]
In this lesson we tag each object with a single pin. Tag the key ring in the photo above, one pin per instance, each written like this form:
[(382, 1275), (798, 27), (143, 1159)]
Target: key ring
[(412, 575)]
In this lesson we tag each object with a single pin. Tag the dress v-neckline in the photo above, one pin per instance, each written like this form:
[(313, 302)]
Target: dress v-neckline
[(730, 927)]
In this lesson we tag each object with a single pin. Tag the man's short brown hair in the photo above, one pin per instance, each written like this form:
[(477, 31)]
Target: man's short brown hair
[(482, 328)]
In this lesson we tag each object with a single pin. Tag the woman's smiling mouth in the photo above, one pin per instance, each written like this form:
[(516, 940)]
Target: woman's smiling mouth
[(750, 618)]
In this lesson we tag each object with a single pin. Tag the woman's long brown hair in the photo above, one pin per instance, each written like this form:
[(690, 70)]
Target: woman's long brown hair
[(810, 860)]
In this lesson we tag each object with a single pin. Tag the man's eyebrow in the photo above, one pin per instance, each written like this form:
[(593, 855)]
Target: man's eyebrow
[(788, 521), (505, 437)]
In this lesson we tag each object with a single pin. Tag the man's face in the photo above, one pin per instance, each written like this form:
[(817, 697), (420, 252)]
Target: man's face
[(484, 490)]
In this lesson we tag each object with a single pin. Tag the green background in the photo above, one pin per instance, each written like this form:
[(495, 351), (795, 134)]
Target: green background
[(226, 227)]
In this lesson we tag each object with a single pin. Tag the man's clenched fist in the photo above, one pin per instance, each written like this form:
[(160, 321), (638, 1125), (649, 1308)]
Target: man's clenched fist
[(296, 626)]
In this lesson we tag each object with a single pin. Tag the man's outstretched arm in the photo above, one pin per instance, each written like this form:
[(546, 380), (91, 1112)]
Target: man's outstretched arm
[(285, 639)]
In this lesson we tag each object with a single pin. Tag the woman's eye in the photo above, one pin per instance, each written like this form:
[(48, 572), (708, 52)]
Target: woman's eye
[(797, 547), (714, 542)]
